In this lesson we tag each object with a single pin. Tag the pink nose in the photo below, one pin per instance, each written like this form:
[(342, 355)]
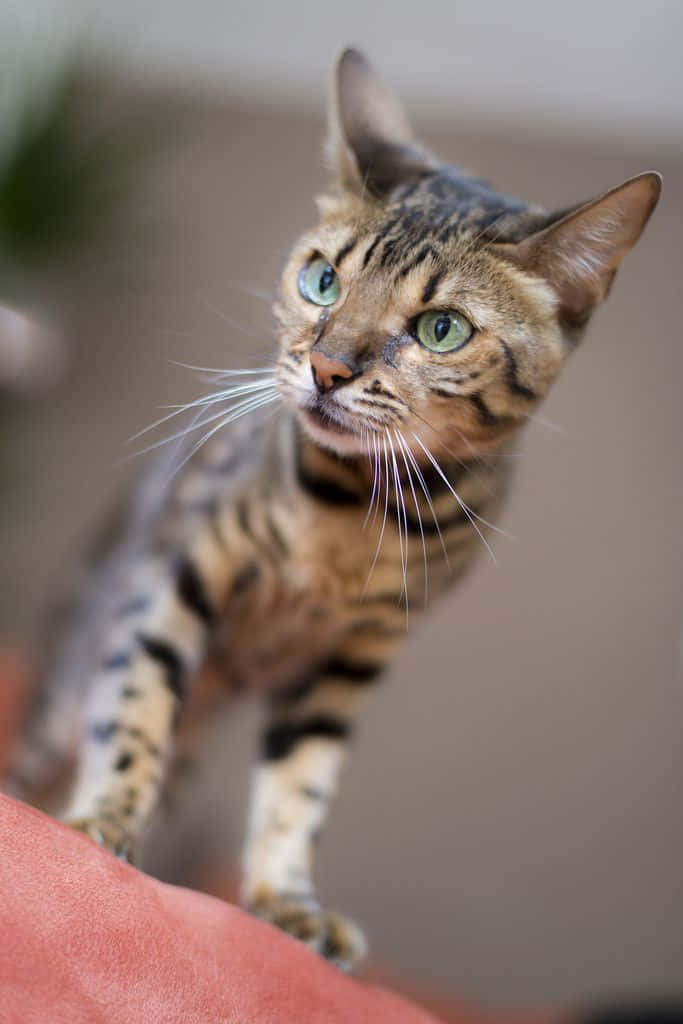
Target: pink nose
[(328, 373)]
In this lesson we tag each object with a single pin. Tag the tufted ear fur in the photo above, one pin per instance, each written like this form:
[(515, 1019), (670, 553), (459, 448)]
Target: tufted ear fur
[(580, 251), (370, 142)]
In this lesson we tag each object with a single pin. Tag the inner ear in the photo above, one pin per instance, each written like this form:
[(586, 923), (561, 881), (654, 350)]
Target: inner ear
[(370, 140), (579, 252)]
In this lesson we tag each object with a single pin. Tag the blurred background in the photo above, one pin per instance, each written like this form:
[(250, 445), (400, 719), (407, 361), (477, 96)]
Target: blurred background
[(510, 827)]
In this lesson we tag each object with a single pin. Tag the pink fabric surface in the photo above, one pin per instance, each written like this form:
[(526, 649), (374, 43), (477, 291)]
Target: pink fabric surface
[(86, 938)]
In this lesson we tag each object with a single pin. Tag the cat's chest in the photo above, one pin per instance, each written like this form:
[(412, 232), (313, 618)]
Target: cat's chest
[(305, 602)]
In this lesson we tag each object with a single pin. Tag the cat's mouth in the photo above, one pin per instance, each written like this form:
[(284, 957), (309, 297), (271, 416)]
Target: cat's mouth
[(329, 424), (327, 420)]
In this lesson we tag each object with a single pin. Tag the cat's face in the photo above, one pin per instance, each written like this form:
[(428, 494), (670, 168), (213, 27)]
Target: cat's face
[(424, 304), (435, 338)]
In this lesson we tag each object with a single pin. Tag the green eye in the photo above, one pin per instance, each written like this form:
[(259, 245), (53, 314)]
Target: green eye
[(318, 282), (443, 331)]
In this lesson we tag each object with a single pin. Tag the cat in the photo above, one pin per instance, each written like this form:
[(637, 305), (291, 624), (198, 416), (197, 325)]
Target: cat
[(420, 323)]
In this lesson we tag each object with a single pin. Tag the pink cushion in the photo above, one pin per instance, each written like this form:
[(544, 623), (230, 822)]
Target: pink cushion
[(86, 938)]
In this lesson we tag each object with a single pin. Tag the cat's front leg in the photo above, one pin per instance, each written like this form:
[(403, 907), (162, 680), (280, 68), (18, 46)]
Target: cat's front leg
[(304, 747), (150, 658)]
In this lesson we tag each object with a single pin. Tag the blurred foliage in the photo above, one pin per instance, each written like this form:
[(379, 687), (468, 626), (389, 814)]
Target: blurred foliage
[(68, 167), (75, 156), (47, 186)]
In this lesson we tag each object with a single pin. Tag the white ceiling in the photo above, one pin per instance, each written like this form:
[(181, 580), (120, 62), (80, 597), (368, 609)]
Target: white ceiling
[(600, 68)]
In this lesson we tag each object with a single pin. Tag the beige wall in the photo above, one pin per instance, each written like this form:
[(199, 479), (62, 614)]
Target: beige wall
[(605, 69), (511, 823)]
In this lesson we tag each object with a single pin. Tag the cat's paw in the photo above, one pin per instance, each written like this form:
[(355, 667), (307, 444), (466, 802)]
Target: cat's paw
[(334, 937), (108, 832)]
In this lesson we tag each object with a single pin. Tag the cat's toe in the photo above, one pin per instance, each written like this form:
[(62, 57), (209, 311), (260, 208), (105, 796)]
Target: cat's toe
[(334, 937), (106, 832), (345, 944)]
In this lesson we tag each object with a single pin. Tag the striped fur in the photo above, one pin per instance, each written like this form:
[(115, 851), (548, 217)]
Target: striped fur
[(289, 555)]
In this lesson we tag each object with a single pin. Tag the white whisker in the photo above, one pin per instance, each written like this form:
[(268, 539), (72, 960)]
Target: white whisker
[(428, 497), (374, 461), (195, 425), (217, 396), (250, 405), (400, 444), (472, 516), (379, 479), (221, 371), (402, 525), (475, 453), (227, 319), (384, 520), (257, 293), (535, 418)]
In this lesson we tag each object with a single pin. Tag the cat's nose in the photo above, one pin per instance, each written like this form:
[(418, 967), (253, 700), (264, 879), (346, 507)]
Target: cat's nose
[(328, 373)]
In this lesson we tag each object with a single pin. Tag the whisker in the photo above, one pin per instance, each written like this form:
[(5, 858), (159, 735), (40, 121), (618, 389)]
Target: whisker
[(217, 396), (373, 460), (428, 497), (194, 425), (224, 316), (477, 455), (223, 372), (384, 520), (257, 293), (255, 403), (472, 516), (402, 526), (546, 423), (376, 443), (400, 444)]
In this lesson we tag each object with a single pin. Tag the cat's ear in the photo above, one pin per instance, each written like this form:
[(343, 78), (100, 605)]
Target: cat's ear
[(580, 251), (370, 142)]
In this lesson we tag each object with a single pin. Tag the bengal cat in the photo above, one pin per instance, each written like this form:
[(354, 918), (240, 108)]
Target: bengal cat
[(420, 323)]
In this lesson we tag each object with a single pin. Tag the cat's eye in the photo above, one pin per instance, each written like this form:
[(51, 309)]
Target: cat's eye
[(318, 282), (443, 330)]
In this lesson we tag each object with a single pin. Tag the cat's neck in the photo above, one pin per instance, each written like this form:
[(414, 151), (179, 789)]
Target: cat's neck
[(352, 479)]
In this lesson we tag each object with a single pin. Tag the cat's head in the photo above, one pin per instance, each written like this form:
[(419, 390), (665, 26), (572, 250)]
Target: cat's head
[(426, 303)]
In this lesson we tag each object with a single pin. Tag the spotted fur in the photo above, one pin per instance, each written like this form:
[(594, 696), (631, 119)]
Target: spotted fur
[(289, 555)]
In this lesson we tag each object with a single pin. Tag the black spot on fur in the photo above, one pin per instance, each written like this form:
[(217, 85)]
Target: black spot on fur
[(486, 417), (427, 250), (124, 762), (431, 286), (296, 689), (245, 578), (192, 592), (511, 378), (323, 488), (163, 653), (281, 739), (353, 671), (344, 251)]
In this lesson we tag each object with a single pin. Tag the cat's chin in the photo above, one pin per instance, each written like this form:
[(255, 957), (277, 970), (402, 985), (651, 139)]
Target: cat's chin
[(329, 434)]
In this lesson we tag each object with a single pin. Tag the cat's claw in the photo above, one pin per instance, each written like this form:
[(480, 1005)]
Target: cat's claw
[(106, 832), (334, 937)]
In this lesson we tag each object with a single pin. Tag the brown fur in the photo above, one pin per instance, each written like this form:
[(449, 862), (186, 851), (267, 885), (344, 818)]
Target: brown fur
[(283, 557)]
